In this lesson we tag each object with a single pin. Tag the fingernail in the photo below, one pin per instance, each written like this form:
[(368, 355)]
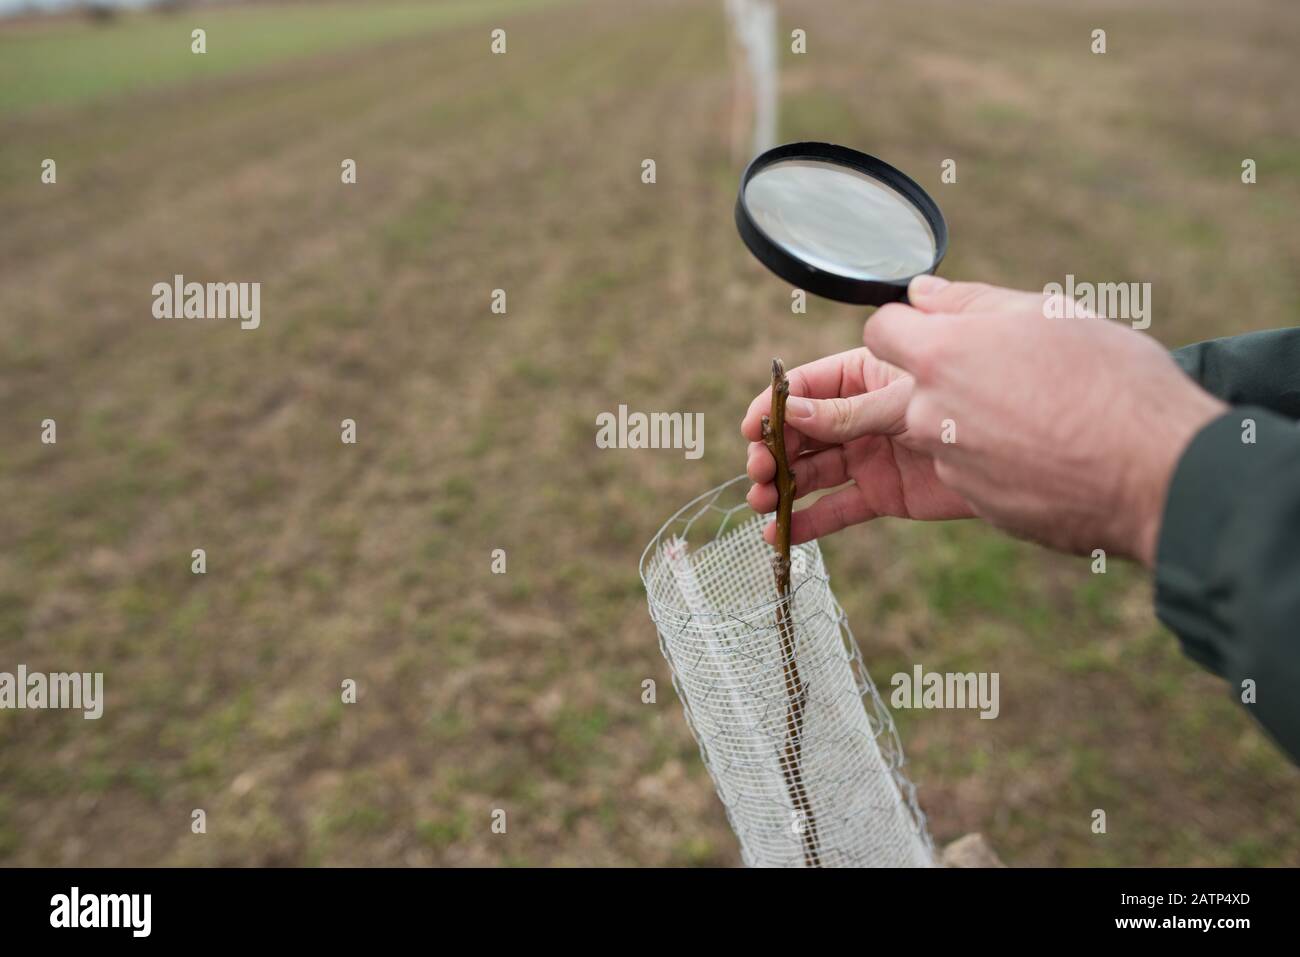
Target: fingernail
[(925, 285), (796, 408)]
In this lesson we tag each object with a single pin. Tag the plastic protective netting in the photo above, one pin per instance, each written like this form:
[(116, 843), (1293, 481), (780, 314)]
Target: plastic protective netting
[(824, 788)]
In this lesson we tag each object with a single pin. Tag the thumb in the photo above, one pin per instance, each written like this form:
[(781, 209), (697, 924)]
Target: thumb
[(841, 420), (932, 294)]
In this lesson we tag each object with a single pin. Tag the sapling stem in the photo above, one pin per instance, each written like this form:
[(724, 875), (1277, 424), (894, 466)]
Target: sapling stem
[(792, 751)]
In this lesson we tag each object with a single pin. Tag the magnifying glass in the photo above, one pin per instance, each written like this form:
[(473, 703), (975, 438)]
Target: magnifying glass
[(839, 223)]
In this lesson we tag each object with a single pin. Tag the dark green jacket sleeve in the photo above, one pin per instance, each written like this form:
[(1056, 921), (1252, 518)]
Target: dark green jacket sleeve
[(1227, 576), (1261, 368)]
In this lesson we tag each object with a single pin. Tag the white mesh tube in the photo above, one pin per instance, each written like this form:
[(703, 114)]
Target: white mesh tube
[(712, 596)]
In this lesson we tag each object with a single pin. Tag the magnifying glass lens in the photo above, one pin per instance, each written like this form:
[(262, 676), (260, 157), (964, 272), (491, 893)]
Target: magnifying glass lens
[(839, 223), (841, 220)]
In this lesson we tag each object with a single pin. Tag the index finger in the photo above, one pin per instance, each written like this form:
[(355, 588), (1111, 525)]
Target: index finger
[(907, 337)]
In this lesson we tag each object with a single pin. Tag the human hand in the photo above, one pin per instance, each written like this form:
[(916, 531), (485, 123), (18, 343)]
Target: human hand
[(1064, 431), (844, 421)]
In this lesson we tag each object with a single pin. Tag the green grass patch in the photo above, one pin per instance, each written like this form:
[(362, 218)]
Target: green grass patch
[(71, 61)]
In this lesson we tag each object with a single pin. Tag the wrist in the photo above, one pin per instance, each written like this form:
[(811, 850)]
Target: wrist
[(1178, 424)]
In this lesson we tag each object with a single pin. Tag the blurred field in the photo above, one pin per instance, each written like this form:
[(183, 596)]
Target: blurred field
[(522, 691), (81, 61)]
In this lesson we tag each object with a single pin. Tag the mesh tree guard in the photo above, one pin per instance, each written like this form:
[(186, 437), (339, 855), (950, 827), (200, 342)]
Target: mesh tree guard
[(802, 751)]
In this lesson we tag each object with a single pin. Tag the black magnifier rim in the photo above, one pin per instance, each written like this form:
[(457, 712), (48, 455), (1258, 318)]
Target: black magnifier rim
[(850, 289)]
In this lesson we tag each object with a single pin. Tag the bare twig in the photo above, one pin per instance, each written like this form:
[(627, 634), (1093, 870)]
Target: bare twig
[(792, 753)]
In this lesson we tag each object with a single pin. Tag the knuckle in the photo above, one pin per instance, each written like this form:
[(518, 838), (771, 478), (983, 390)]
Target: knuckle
[(841, 415), (879, 326), (945, 472), (839, 511), (923, 422), (925, 361), (968, 294), (811, 473), (890, 312)]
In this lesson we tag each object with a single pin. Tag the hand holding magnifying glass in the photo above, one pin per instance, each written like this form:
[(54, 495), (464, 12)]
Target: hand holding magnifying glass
[(1063, 431)]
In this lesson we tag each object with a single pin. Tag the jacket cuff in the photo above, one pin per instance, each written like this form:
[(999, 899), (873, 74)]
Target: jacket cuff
[(1207, 520)]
